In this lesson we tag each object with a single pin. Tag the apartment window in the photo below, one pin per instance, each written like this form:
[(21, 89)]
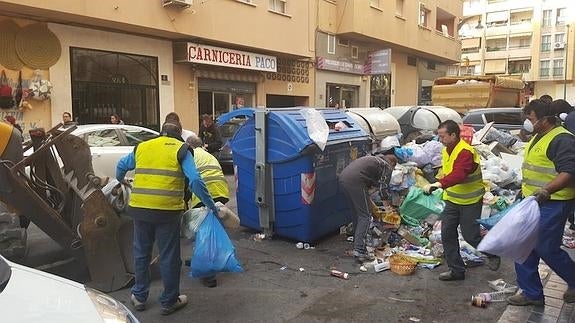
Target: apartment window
[(331, 44), (561, 13), (546, 18), (399, 7), (278, 6), (374, 3), (343, 42), (545, 43), (559, 38), (498, 18), (411, 61), (354, 51), (453, 70), (544, 68), (424, 14), (524, 42), (558, 67), (431, 65)]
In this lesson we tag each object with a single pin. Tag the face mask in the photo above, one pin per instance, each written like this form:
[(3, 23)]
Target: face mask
[(528, 126)]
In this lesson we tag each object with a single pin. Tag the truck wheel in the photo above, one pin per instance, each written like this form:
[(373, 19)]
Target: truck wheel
[(12, 237)]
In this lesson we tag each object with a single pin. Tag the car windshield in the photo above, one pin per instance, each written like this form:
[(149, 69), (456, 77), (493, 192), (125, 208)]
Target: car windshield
[(103, 138), (5, 273), (136, 136)]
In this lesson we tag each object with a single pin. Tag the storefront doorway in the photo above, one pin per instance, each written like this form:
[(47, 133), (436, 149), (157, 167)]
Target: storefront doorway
[(216, 97), (340, 95), (380, 91)]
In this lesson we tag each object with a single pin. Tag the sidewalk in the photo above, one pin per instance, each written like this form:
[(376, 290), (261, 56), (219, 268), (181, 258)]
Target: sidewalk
[(555, 310)]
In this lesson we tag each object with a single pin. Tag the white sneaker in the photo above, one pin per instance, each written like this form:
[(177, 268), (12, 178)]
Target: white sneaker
[(139, 306), (180, 302)]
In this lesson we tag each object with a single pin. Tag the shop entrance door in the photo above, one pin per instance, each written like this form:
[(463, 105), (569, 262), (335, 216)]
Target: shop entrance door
[(214, 103)]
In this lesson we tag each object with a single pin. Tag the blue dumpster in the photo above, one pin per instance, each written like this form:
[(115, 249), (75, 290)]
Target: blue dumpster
[(307, 203)]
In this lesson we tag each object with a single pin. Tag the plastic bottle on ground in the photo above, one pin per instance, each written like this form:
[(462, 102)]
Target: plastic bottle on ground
[(500, 296)]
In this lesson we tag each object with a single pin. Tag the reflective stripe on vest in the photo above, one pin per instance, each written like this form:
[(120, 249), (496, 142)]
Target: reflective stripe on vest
[(538, 170), (212, 174), (471, 190), (159, 180)]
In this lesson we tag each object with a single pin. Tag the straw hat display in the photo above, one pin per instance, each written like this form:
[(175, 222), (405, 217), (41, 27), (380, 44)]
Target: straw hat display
[(37, 46), (8, 57)]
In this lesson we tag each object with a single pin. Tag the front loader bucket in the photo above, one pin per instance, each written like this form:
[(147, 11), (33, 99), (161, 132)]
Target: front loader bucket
[(100, 231), (67, 203)]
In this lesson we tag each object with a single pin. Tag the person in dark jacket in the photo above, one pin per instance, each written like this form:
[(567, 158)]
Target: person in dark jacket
[(356, 180), (210, 134)]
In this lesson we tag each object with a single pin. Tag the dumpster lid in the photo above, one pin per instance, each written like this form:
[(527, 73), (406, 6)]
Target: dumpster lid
[(375, 120), (287, 131)]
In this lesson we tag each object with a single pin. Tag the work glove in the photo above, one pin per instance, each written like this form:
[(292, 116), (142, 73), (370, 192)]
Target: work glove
[(427, 189), (541, 195)]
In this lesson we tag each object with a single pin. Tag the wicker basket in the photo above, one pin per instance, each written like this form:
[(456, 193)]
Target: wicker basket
[(402, 265)]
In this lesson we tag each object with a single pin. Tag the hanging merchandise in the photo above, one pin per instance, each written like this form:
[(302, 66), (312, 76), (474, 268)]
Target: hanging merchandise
[(6, 98), (18, 93), (40, 89)]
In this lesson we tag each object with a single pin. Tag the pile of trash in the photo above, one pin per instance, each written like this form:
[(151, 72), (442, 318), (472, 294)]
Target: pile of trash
[(411, 225)]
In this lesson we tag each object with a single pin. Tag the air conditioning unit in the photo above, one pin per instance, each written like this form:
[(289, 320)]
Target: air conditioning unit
[(559, 45), (177, 3)]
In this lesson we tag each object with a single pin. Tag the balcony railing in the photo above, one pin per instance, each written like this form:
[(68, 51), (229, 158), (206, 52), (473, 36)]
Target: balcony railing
[(470, 50), (518, 46), (495, 49)]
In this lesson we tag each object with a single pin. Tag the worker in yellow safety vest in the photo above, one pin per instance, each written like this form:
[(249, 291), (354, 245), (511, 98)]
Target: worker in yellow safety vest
[(548, 173), (156, 204), (211, 172), (463, 191)]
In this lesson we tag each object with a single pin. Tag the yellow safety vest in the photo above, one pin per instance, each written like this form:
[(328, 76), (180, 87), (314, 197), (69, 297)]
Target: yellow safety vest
[(538, 170), (159, 179), (472, 189), (212, 174)]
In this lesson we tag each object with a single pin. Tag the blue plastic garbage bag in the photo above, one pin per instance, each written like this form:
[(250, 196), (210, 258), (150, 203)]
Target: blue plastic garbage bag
[(491, 221), (214, 251)]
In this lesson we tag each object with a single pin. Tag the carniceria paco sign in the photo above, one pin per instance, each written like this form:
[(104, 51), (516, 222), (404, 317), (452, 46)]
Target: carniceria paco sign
[(203, 54)]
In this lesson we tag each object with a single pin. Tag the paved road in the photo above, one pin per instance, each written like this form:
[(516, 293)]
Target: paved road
[(266, 293)]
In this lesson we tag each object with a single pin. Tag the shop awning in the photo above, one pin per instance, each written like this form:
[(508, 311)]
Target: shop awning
[(495, 66), (470, 43), (521, 35), (497, 16), (495, 37)]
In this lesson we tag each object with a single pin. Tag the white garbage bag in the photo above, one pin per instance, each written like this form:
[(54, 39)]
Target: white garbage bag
[(192, 219), (515, 236), (317, 127)]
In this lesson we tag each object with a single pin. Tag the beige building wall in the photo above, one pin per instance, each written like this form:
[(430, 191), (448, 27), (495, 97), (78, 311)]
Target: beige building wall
[(404, 81), (94, 39)]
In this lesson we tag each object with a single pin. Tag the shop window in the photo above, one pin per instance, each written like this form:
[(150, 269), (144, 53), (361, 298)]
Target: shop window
[(354, 51), (106, 83), (331, 44), (278, 6), (342, 42)]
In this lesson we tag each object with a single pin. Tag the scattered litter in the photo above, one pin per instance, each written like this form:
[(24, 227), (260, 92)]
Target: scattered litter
[(401, 300), (283, 268), (258, 237), (301, 269), (299, 245), (414, 319), (339, 274), (569, 242), (501, 285), (363, 268), (350, 239)]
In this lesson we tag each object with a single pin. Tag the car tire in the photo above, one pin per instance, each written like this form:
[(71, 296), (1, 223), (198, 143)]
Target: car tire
[(13, 238)]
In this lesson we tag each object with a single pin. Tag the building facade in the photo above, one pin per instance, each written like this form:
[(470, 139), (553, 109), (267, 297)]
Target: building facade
[(210, 57), (529, 39)]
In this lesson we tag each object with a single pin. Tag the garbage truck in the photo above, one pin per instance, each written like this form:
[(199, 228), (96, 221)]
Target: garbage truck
[(463, 93), (55, 188)]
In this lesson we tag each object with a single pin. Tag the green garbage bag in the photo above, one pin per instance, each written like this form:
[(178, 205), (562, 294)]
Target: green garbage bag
[(417, 205)]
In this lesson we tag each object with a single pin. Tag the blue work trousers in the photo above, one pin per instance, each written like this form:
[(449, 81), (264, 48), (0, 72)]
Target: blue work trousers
[(167, 236), (554, 215)]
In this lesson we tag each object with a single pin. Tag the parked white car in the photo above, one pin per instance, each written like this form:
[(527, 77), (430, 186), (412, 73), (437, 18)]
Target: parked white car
[(30, 295), (110, 142)]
